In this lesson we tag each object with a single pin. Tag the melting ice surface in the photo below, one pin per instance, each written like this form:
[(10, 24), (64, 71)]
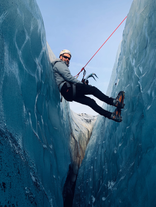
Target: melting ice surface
[(119, 168), (39, 135)]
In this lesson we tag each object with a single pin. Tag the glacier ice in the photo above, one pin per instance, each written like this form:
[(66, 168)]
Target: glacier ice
[(39, 139), (119, 167), (32, 133)]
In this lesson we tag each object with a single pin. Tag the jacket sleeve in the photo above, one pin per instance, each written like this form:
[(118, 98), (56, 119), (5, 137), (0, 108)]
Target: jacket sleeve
[(63, 70)]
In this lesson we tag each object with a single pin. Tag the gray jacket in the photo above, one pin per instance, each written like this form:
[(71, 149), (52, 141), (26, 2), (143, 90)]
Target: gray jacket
[(62, 73)]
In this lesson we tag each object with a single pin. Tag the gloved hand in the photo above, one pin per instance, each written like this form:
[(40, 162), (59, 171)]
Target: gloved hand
[(84, 81)]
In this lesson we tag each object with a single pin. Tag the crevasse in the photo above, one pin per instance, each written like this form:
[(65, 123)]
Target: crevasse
[(42, 143)]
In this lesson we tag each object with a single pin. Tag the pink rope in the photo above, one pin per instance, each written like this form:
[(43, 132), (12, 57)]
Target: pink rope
[(101, 46)]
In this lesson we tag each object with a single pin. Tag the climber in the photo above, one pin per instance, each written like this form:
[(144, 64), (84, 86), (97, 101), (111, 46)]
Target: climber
[(75, 90)]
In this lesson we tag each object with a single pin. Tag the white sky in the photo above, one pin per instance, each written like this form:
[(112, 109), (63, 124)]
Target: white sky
[(82, 27)]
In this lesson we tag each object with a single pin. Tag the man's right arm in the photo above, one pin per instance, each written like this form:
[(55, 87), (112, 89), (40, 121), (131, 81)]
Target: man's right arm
[(65, 73)]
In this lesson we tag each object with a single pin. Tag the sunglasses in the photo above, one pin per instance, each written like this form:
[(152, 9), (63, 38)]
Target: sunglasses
[(66, 57)]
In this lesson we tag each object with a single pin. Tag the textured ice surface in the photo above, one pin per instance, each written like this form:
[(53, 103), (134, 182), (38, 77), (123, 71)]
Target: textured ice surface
[(119, 168), (34, 141), (39, 138)]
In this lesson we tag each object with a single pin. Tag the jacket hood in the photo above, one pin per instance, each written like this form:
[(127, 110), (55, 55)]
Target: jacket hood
[(55, 61)]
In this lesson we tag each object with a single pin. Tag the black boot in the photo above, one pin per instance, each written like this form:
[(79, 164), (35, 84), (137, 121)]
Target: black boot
[(119, 101), (116, 115)]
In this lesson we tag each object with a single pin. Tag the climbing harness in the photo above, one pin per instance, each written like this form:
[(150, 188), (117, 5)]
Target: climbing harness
[(93, 74)]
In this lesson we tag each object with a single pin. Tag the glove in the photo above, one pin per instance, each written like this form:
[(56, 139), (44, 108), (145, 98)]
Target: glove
[(84, 81)]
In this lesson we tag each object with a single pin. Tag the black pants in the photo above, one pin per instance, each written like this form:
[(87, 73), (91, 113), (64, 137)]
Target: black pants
[(81, 91)]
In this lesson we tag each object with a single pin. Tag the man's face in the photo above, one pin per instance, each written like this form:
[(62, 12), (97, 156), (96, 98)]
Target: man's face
[(66, 58)]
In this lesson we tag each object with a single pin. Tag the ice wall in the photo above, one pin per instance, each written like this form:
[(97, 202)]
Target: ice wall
[(41, 143), (119, 168), (34, 140)]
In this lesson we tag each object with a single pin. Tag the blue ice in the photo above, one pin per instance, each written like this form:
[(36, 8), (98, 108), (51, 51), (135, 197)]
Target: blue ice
[(34, 140), (119, 167)]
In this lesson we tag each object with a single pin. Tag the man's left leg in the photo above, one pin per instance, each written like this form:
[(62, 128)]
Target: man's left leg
[(90, 102)]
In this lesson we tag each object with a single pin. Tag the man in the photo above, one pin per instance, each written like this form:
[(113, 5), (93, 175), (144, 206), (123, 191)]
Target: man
[(74, 90)]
